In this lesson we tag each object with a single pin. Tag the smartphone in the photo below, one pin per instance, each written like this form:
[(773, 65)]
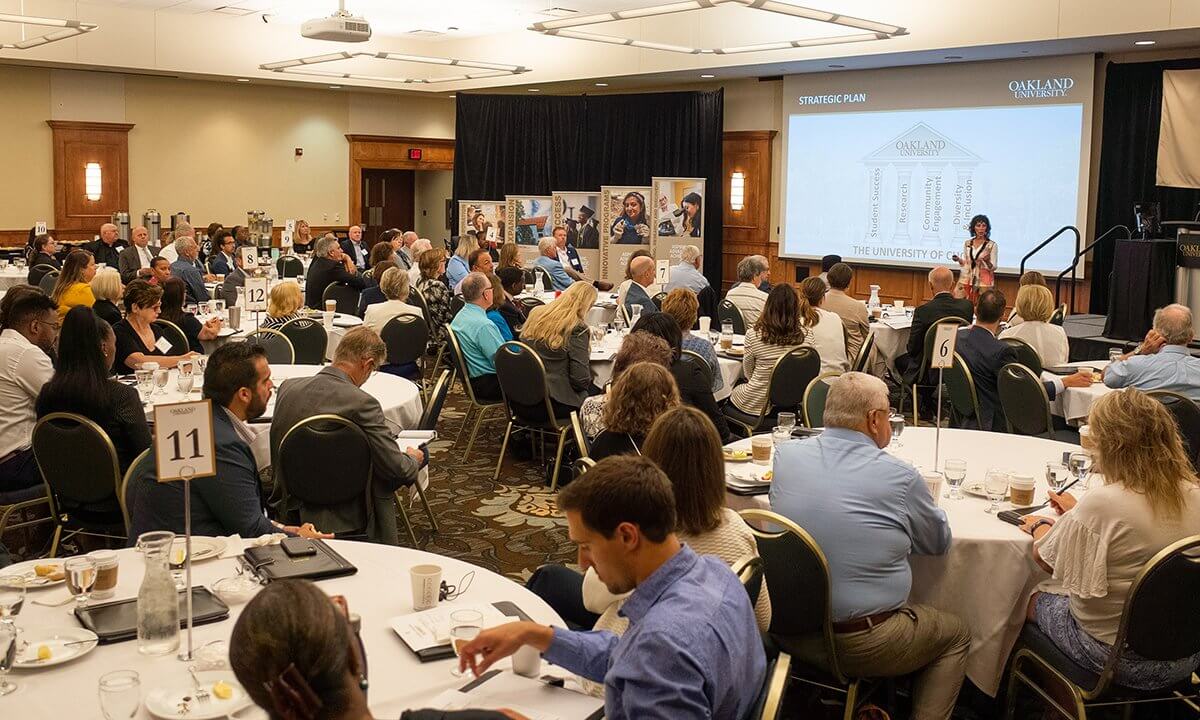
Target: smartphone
[(297, 547)]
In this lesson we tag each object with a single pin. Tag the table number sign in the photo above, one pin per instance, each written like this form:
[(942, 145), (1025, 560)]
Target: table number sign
[(256, 294), (39, 228), (943, 346), (662, 272), (249, 257), (183, 441)]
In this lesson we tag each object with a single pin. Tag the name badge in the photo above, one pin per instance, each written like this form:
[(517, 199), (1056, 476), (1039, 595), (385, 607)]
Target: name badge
[(163, 344)]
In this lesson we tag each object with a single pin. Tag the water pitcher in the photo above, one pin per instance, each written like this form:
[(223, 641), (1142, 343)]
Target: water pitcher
[(157, 602)]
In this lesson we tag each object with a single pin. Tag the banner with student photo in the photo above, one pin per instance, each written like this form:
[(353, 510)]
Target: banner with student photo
[(529, 221), (578, 213), (624, 228), (677, 212), (480, 215)]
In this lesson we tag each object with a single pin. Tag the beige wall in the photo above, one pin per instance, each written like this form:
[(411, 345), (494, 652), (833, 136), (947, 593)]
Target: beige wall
[(754, 105), (431, 190), (27, 183)]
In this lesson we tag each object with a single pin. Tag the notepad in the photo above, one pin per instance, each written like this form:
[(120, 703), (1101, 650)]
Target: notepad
[(530, 697)]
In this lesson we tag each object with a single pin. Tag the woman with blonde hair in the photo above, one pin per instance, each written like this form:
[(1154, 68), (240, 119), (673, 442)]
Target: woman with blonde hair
[(643, 392), (1029, 277), (73, 286), (457, 267), (283, 304), (302, 239), (1095, 547), (559, 334), (107, 289), (1035, 305), (436, 293), (824, 330), (510, 256)]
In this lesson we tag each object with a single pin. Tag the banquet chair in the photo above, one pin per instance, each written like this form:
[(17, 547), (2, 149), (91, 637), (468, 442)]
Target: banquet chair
[(289, 266), (405, 337), (437, 400), (770, 699), (1187, 418), (37, 272), (416, 297), (707, 299), (727, 312), (1024, 401), (329, 446), (87, 475), (864, 353), (814, 399), (475, 404), (133, 470), (749, 570), (964, 400), (522, 376), (923, 369), (15, 503), (309, 340), (456, 304), (345, 296), (1026, 354), (174, 335), (794, 567), (1059, 315), (581, 466), (529, 303), (47, 282), (785, 393), (279, 349), (694, 358), (658, 300), (1165, 588)]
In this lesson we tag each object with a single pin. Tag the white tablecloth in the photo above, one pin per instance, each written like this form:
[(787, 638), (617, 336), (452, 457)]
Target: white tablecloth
[(891, 341), (379, 591), (13, 275), (603, 311), (988, 574), (602, 365), (335, 334), (1074, 404), (400, 399)]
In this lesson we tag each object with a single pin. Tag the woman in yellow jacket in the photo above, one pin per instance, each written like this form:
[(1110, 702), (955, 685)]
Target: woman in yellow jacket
[(72, 287)]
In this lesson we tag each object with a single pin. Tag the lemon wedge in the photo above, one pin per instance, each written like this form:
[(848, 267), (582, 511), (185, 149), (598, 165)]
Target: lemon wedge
[(43, 652), (223, 690)]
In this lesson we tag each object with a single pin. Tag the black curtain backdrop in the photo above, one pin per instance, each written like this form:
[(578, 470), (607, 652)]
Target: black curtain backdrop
[(1129, 160), (516, 145)]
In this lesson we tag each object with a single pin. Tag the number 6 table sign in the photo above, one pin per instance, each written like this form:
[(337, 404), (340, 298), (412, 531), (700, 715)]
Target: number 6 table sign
[(184, 449), (944, 341)]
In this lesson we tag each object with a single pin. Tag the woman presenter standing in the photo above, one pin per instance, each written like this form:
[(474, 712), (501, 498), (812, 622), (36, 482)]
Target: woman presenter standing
[(979, 259)]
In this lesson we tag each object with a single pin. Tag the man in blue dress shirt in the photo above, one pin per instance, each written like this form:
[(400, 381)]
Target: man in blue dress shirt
[(478, 336), (1162, 361), (869, 510), (687, 273), (549, 261), (692, 649), (185, 269)]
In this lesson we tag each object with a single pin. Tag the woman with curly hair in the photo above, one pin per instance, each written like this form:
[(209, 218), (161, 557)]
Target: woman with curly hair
[(636, 348), (645, 391)]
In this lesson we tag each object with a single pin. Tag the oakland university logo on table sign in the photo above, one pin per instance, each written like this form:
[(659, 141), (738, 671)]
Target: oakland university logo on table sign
[(1041, 88), (920, 193)]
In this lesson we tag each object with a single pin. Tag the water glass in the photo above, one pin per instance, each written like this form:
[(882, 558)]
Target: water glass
[(145, 383), (780, 434), (787, 420), (161, 376), (1081, 464), (8, 653), (81, 576), (184, 383), (1056, 476), (955, 471), (995, 484), (1114, 354), (897, 422), (120, 694), (201, 363), (12, 597), (464, 626)]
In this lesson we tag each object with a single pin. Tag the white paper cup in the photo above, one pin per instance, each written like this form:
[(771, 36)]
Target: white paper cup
[(327, 318), (933, 481), (527, 661), (705, 324), (426, 582), (898, 304), (330, 305)]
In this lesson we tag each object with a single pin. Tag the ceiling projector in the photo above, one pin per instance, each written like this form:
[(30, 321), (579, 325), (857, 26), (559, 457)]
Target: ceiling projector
[(338, 27)]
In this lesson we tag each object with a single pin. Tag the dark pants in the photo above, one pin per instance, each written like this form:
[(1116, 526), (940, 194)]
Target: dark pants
[(408, 371), (486, 387), (562, 589), (19, 472)]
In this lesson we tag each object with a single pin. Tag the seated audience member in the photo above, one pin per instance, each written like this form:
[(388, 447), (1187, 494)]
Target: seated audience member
[(692, 649), (943, 304), (559, 334), (221, 263), (14, 293), (572, 265), (107, 289), (457, 268), (329, 265), (482, 243), (682, 305), (479, 261), (237, 380), (436, 293), (1035, 305), (510, 257), (478, 336), (493, 311), (752, 271), (687, 273), (823, 330), (623, 288), (172, 311), (852, 312), (827, 263), (869, 510), (419, 246), (403, 253), (548, 261), (635, 348), (1148, 499), (82, 385), (695, 388), (394, 286), (380, 252), (1162, 361), (337, 390), (185, 268), (166, 246), (302, 239), (355, 249), (26, 343), (641, 394), (134, 262), (1030, 277), (107, 248), (137, 336), (372, 294), (638, 295), (73, 287), (45, 251), (512, 280), (283, 304), (985, 355), (775, 333), (160, 270)]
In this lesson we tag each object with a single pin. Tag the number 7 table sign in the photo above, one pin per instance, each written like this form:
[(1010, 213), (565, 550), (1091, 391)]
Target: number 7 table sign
[(944, 342), (184, 449)]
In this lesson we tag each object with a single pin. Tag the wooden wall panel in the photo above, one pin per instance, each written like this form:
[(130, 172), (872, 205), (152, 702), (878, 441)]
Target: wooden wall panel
[(384, 152), (747, 231), (76, 218)]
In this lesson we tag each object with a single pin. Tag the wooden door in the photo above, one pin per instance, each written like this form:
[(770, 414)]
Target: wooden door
[(387, 202)]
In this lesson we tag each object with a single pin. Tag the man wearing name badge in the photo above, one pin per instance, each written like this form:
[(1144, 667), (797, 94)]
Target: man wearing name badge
[(550, 261), (224, 247), (185, 269), (107, 249), (692, 649), (568, 258), (354, 248), (687, 273), (642, 271), (237, 380), (1162, 361), (134, 261), (329, 265)]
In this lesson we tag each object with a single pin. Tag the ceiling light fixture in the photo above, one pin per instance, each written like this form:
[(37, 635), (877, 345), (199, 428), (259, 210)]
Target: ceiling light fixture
[(243, 79), (874, 30), (300, 66), (535, 89), (707, 76), (69, 28), (1145, 42)]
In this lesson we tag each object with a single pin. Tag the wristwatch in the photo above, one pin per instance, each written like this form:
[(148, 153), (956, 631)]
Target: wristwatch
[(1038, 524)]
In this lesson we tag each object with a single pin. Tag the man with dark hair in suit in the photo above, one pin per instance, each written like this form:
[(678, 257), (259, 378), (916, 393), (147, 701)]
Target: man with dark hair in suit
[(943, 304)]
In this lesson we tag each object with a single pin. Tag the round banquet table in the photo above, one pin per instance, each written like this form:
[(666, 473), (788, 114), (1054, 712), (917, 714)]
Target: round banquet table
[(988, 574), (891, 340), (601, 362), (1074, 404), (341, 324), (13, 275), (381, 590)]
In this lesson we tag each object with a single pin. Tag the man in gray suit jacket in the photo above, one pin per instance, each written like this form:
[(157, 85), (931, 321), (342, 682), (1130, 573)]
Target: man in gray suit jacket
[(134, 261), (336, 390), (642, 270)]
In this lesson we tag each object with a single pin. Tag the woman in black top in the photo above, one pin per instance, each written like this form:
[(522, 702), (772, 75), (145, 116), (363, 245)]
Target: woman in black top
[(81, 385), (137, 338), (642, 393), (107, 289), (174, 291), (43, 253)]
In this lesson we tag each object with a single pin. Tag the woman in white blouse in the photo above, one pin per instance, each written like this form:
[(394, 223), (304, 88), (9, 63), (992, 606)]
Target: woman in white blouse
[(1150, 498), (395, 288), (1035, 304), (825, 332)]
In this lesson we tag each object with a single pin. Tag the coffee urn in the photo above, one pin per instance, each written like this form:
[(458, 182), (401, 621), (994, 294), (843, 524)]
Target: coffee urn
[(152, 221), (261, 227), (121, 220)]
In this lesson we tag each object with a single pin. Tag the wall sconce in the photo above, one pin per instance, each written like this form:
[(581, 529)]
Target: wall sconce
[(737, 190), (91, 181)]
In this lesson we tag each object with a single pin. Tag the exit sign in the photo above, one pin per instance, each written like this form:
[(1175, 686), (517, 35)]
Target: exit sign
[(414, 153)]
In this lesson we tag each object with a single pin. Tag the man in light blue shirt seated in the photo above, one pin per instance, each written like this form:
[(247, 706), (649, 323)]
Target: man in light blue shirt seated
[(1162, 361), (478, 336), (548, 260), (692, 649), (687, 273), (868, 510)]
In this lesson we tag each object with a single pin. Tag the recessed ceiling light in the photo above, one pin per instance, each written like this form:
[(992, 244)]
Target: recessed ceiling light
[(706, 77), (601, 84), (954, 57), (243, 79), (335, 87), (452, 96), (535, 90), (837, 66), (1145, 42)]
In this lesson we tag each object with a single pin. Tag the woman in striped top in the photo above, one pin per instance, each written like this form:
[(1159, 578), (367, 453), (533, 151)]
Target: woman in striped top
[(778, 331)]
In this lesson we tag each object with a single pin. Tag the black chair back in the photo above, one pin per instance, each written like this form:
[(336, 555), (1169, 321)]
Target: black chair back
[(750, 571), (1026, 355), (318, 449), (48, 281), (522, 377), (345, 296), (437, 399), (1160, 621), (728, 312), (707, 298), (790, 379), (930, 335), (529, 303), (309, 340), (864, 353), (1187, 419), (405, 337), (174, 335), (658, 299), (88, 473), (456, 304), (289, 266), (960, 384), (1024, 400), (277, 346), (1059, 315), (416, 297), (37, 272), (689, 357)]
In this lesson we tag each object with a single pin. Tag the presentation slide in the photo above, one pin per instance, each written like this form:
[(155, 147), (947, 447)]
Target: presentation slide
[(876, 183)]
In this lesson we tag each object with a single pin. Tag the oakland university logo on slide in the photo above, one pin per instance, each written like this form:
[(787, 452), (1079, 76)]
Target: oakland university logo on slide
[(1041, 88)]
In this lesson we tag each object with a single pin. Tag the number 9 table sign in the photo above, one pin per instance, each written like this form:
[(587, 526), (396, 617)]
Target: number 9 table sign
[(184, 449), (943, 357)]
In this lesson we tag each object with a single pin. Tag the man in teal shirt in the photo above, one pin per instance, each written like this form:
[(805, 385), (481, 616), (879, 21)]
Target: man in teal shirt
[(478, 336)]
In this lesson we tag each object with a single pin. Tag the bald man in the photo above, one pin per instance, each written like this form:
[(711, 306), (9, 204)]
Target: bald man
[(943, 304), (641, 271), (355, 248), (402, 245), (107, 249), (135, 260)]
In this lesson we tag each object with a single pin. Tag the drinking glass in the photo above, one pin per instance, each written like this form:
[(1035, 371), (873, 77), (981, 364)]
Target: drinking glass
[(120, 694), (787, 420), (1056, 476), (12, 597), (161, 376), (145, 383), (201, 363), (618, 323), (184, 383), (1080, 463), (218, 308), (955, 471), (81, 575), (8, 652), (995, 484), (714, 335), (897, 422), (780, 434), (464, 626), (1114, 354)]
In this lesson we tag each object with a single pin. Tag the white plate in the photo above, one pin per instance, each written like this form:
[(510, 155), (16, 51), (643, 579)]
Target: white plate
[(55, 638), (32, 581), (976, 489), (168, 702), (203, 548)]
